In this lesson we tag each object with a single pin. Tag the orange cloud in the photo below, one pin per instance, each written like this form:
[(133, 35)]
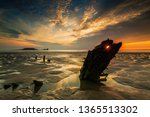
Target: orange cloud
[(63, 29), (11, 42)]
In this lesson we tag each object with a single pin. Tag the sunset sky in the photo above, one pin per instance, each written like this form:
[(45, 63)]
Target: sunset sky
[(74, 24)]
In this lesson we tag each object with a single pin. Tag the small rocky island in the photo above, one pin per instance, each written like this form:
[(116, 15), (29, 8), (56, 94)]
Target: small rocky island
[(29, 49)]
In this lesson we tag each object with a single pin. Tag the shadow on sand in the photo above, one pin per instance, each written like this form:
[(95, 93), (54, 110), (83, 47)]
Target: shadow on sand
[(88, 85)]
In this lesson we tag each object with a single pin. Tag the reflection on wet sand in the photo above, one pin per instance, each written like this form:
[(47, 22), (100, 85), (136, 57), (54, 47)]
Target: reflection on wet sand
[(128, 77)]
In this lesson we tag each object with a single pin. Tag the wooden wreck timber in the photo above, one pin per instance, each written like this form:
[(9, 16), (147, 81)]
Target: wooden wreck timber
[(97, 61)]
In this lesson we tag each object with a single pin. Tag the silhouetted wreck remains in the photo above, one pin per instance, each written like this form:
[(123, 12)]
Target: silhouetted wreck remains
[(37, 85), (97, 61), (13, 85)]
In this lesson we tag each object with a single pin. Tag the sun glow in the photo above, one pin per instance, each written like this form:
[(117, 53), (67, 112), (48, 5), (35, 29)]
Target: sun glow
[(10, 42), (134, 46), (107, 47)]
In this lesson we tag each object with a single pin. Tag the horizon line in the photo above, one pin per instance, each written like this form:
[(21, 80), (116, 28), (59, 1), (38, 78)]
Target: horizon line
[(74, 50)]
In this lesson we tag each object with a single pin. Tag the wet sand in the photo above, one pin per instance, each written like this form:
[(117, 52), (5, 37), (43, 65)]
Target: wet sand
[(61, 78)]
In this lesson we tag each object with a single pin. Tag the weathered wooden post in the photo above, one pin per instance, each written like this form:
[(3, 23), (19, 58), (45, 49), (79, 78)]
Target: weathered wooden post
[(98, 59)]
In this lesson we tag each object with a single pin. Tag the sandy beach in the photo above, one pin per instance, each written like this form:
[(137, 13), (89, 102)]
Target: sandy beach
[(128, 77)]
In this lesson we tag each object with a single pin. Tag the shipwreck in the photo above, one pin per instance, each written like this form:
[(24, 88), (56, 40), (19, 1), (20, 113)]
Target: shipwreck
[(97, 61)]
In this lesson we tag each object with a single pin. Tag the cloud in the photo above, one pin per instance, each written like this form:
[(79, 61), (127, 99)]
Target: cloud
[(65, 26), (63, 29), (88, 14), (121, 13), (12, 26), (58, 30), (13, 42), (61, 13)]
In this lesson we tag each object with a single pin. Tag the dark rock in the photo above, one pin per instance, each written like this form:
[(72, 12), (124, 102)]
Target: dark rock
[(49, 60), (6, 86), (37, 85), (45, 49), (98, 59), (14, 86)]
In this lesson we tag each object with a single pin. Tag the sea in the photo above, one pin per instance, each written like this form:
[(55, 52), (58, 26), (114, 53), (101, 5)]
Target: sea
[(128, 79)]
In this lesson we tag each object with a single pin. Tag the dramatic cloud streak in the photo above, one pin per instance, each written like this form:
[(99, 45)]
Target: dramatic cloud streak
[(118, 15), (66, 23), (64, 29), (10, 42)]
